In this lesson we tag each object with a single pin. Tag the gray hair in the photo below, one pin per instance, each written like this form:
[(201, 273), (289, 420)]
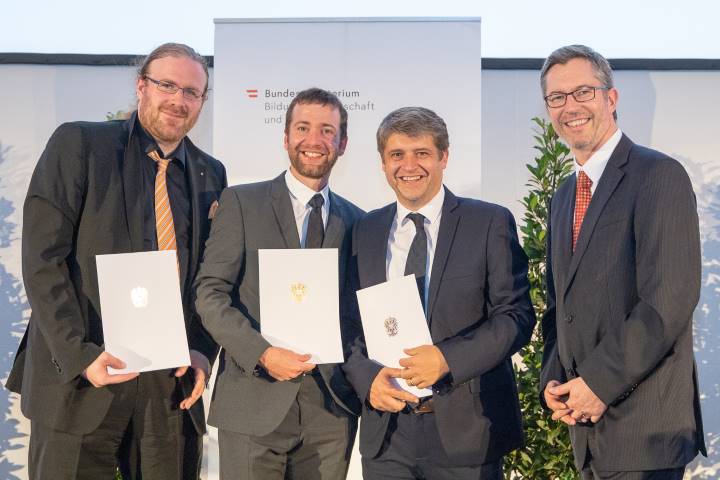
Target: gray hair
[(413, 122), (562, 55), (173, 50)]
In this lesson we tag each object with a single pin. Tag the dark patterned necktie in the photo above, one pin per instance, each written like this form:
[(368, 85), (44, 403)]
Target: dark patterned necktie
[(417, 256), (315, 230)]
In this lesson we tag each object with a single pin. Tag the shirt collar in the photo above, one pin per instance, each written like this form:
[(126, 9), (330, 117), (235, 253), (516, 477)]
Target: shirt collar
[(302, 192), (431, 210), (148, 144), (595, 165)]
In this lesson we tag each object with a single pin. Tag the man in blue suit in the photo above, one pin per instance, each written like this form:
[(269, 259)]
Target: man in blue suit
[(472, 279)]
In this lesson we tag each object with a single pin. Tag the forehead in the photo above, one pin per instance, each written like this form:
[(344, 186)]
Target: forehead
[(181, 71), (316, 113), (400, 141), (568, 76)]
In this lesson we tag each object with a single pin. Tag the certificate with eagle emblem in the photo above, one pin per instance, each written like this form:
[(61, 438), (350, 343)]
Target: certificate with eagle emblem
[(393, 319), (299, 301)]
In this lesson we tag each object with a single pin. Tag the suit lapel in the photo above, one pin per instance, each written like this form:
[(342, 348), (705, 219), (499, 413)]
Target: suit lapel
[(562, 224), (378, 243), (132, 186), (335, 230), (608, 182), (280, 198), (196, 168), (446, 234)]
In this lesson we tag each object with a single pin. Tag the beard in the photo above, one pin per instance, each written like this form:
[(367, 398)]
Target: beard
[(315, 172), (164, 129)]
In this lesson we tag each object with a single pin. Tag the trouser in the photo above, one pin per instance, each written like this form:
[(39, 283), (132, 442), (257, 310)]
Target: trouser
[(314, 441), (589, 471), (412, 450), (144, 434)]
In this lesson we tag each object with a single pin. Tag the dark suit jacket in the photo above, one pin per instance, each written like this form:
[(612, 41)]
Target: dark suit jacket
[(479, 313), (620, 310), (84, 200), (246, 398)]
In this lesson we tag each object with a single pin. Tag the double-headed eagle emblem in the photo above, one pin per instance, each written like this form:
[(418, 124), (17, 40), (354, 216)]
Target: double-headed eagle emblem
[(391, 326)]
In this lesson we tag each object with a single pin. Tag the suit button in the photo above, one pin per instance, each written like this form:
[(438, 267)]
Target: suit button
[(569, 318)]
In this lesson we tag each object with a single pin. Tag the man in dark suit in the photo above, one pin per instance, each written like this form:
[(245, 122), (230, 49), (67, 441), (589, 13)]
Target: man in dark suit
[(95, 191), (472, 279), (278, 415), (623, 275)]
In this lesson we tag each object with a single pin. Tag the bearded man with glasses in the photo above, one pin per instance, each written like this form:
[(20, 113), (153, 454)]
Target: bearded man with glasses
[(116, 187), (623, 279)]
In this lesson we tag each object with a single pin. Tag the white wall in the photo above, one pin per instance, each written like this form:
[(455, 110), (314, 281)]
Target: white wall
[(675, 112)]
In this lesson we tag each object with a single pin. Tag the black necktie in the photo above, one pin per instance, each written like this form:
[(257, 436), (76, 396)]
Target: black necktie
[(315, 230), (417, 257)]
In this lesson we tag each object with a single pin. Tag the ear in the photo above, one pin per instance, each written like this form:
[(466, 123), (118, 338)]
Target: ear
[(285, 141), (342, 146), (612, 96), (444, 159), (140, 86)]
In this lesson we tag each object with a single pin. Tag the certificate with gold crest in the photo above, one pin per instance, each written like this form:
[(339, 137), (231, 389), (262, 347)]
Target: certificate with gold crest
[(299, 301), (392, 320)]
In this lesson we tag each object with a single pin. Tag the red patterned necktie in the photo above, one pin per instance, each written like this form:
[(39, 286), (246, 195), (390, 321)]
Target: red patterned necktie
[(583, 194)]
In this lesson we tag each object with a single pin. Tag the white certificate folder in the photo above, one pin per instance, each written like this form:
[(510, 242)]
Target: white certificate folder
[(299, 301), (142, 314), (393, 319)]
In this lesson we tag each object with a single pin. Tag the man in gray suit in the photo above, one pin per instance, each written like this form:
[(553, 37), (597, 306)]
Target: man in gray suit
[(278, 415), (623, 281)]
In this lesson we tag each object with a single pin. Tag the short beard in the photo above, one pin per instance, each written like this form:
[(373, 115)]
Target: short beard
[(316, 172)]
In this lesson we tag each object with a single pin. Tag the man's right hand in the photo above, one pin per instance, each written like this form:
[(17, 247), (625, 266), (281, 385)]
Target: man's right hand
[(557, 404), (283, 364), (97, 372), (387, 397)]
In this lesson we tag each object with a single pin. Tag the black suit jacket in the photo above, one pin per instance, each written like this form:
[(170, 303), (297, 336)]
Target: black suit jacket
[(247, 399), (620, 310), (479, 313), (84, 200)]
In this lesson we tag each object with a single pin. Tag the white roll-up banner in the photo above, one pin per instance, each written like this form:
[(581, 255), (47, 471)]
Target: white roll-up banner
[(374, 65)]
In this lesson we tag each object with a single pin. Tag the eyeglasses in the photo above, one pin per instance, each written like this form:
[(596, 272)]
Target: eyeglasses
[(170, 88), (582, 94)]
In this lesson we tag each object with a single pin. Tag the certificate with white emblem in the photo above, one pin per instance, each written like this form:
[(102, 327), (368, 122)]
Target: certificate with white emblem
[(299, 301), (392, 320), (141, 310)]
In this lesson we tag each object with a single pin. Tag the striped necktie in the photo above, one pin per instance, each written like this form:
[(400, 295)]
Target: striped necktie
[(164, 226)]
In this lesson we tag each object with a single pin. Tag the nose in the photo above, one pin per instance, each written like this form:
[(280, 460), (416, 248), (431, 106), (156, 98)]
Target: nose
[(409, 162)]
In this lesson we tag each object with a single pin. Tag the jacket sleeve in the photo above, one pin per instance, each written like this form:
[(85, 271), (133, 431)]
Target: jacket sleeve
[(219, 274), (198, 337), (552, 368), (359, 369), (668, 270), (51, 215), (510, 316)]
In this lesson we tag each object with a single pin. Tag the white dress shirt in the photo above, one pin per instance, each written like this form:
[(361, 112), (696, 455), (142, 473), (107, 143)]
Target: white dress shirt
[(595, 165), (402, 233), (300, 195)]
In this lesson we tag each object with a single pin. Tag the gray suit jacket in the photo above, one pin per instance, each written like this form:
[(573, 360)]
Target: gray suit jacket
[(250, 217), (620, 310)]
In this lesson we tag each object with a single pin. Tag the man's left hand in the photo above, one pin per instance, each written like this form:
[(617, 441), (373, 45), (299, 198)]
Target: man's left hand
[(201, 369), (425, 366), (583, 402)]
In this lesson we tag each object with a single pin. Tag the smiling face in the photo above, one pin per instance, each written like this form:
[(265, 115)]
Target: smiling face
[(413, 167), (313, 141), (584, 126), (168, 117)]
